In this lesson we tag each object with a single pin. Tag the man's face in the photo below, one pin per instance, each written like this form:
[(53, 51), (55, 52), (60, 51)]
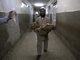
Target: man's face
[(42, 13)]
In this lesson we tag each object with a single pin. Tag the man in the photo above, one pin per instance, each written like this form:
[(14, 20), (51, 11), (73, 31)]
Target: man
[(7, 18), (43, 19)]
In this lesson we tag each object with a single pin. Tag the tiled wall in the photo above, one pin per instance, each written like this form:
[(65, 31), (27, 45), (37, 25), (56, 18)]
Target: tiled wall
[(68, 28), (3, 38), (11, 31), (24, 21), (51, 13), (68, 24)]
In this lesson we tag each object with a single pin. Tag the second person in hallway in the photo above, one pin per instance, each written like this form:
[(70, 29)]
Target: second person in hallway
[(6, 18)]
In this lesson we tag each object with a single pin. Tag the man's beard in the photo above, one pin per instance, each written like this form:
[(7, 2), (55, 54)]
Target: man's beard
[(42, 15)]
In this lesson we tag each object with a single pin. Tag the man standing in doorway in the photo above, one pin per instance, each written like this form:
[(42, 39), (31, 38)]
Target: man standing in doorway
[(42, 20)]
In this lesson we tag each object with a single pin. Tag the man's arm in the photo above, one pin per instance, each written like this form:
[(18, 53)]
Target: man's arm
[(5, 19)]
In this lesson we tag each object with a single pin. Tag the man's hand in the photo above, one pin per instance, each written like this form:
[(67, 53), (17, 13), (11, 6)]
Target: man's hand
[(45, 25), (37, 29)]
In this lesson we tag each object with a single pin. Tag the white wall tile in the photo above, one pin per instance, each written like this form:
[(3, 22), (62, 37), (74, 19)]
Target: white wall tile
[(1, 9), (9, 5), (68, 5)]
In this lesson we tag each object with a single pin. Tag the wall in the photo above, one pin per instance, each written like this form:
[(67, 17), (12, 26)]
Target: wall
[(53, 14), (68, 24), (11, 31), (51, 11)]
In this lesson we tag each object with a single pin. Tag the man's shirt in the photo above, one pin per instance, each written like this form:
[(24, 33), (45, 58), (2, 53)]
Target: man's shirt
[(42, 20), (4, 19)]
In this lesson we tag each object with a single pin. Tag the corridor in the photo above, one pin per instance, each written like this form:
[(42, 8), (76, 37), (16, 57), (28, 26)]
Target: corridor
[(25, 49), (18, 43)]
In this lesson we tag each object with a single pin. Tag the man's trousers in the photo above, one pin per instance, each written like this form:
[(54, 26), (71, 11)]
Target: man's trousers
[(40, 40)]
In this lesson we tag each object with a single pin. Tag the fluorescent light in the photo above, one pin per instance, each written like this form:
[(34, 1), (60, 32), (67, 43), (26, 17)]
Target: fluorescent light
[(36, 13), (39, 4), (23, 5)]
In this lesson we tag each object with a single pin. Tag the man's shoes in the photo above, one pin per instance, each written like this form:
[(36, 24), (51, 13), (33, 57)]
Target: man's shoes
[(45, 50), (38, 57)]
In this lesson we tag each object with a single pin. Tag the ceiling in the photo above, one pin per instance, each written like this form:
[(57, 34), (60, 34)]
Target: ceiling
[(38, 1), (45, 2)]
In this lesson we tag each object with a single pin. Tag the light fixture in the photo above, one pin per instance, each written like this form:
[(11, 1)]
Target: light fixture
[(23, 5), (39, 4), (36, 13)]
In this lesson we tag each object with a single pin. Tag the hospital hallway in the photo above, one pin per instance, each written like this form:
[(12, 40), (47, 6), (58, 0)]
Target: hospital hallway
[(17, 42), (25, 49)]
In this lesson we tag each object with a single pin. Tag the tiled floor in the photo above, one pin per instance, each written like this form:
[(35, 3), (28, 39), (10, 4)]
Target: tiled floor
[(25, 49)]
